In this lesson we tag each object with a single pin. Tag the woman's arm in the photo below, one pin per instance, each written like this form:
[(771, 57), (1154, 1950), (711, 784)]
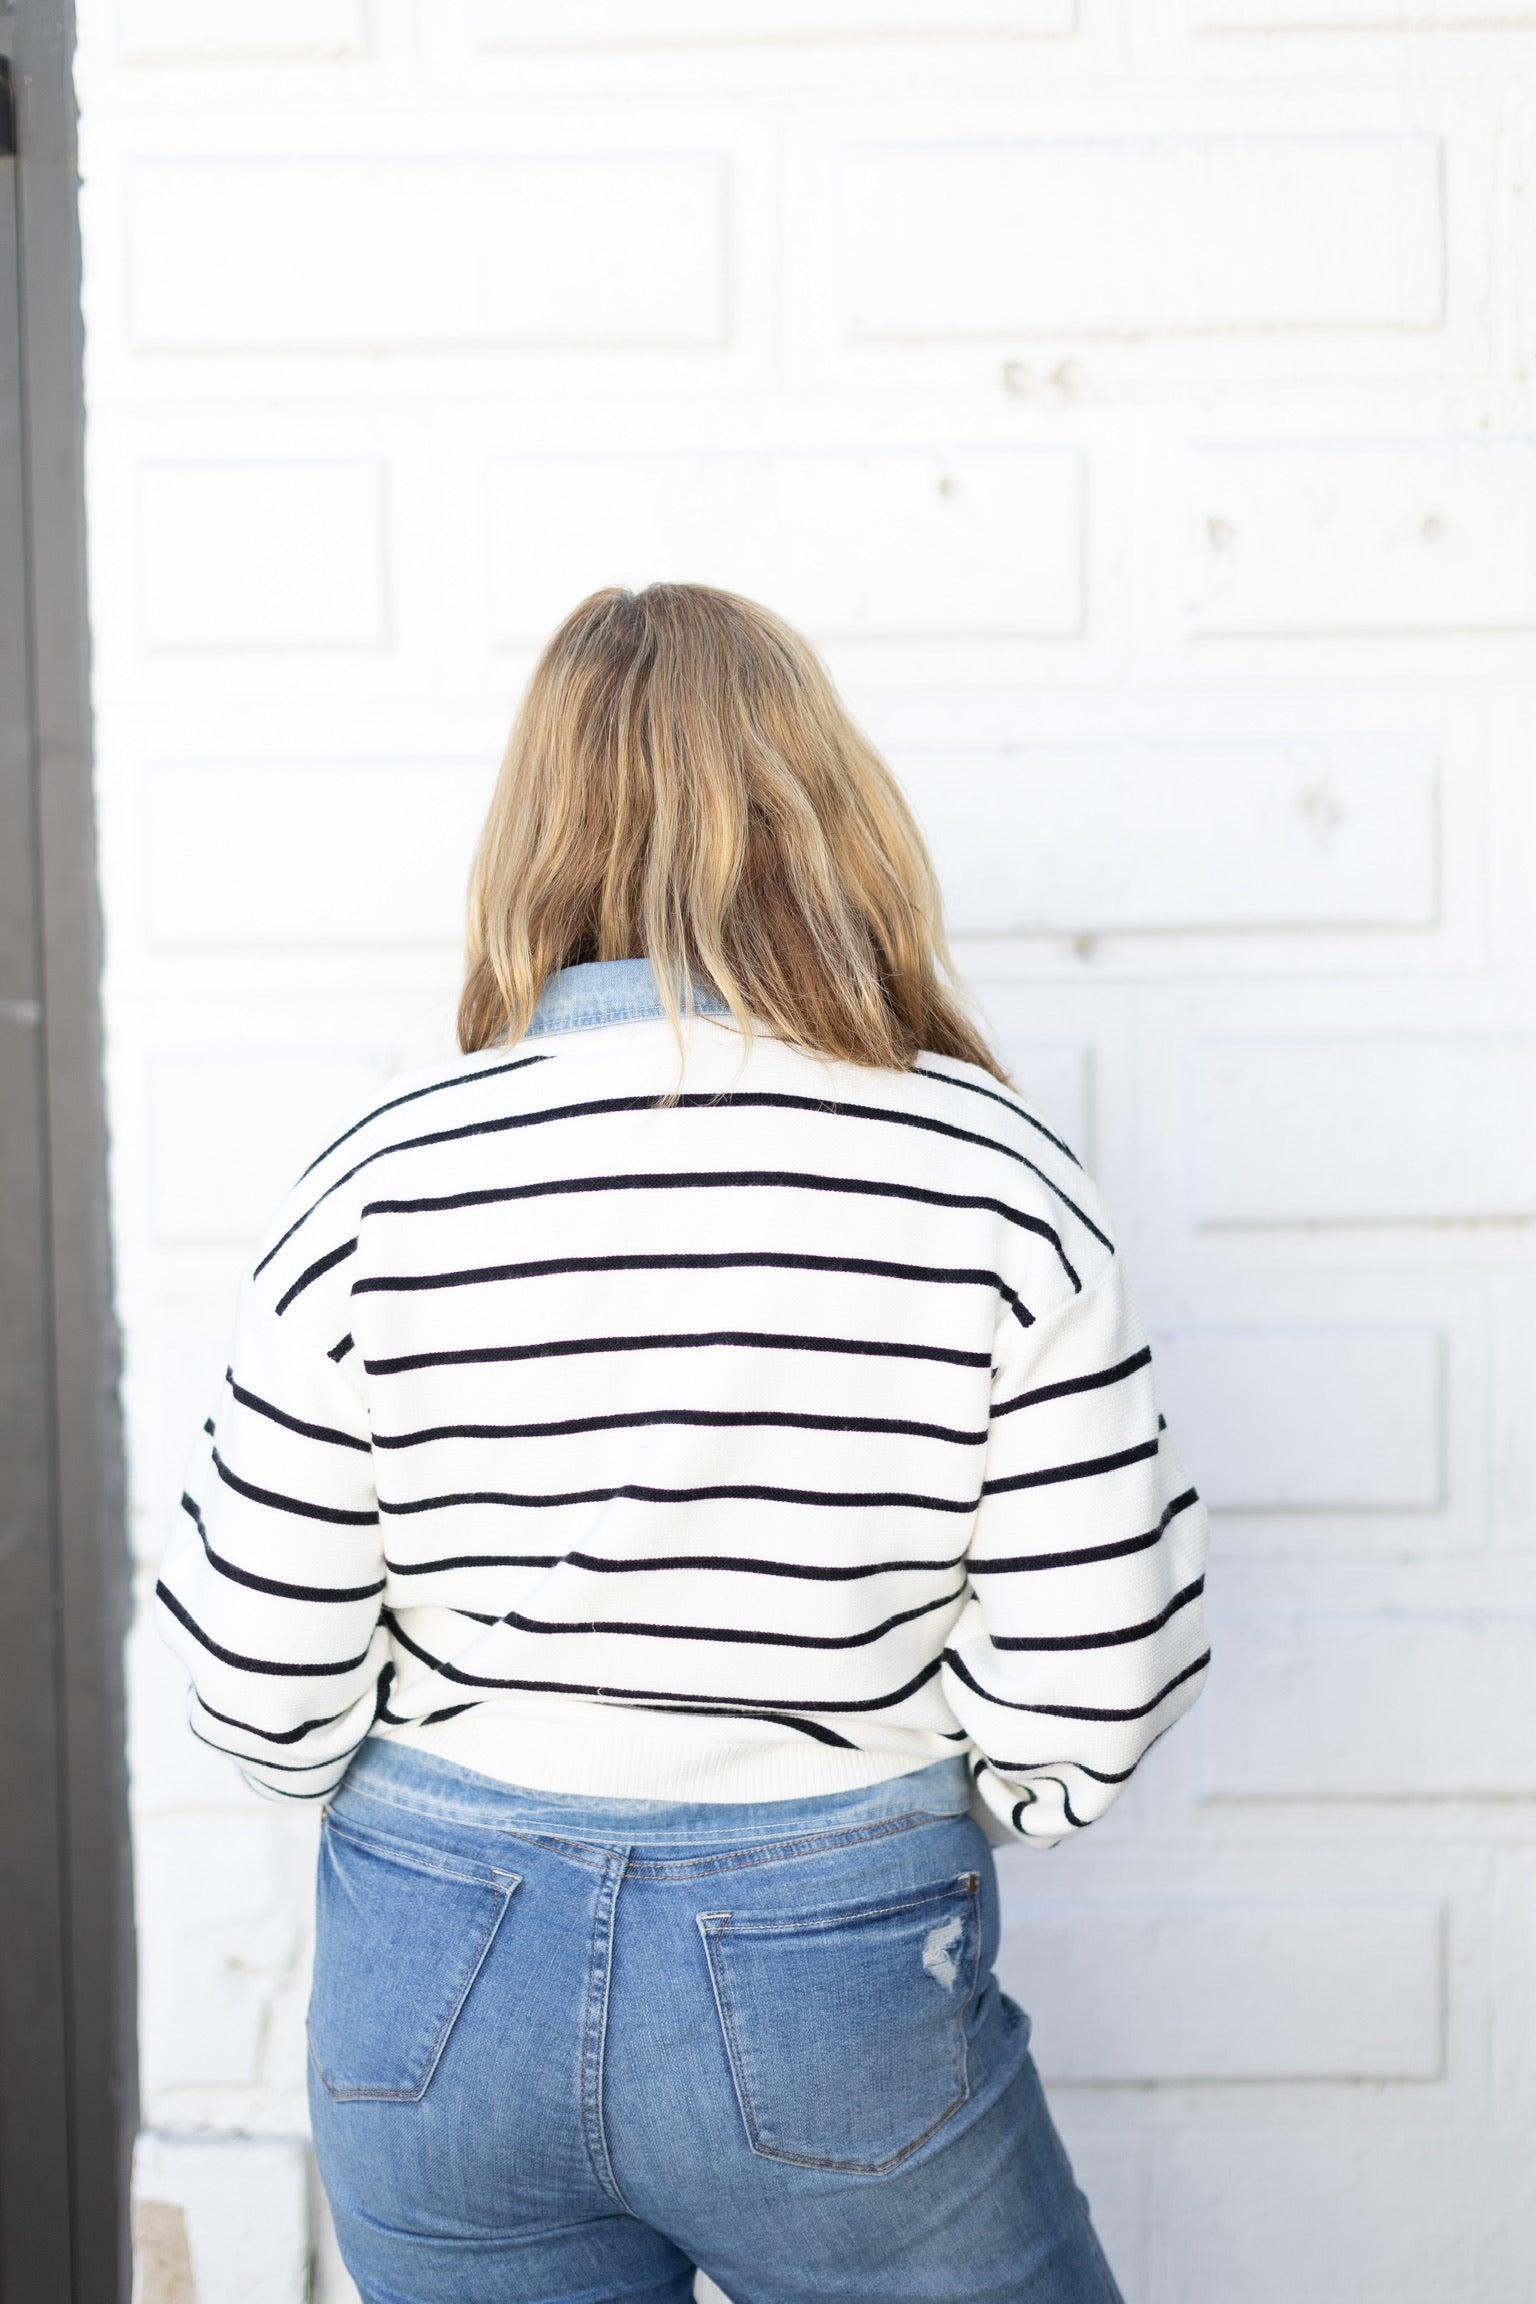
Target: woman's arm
[(1083, 1639), (271, 1588)]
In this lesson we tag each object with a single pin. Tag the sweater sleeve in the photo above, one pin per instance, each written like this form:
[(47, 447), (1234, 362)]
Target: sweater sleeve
[(270, 1590), (1082, 1639)]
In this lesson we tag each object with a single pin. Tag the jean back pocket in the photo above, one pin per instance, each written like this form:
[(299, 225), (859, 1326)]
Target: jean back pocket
[(845, 2026), (401, 1932)]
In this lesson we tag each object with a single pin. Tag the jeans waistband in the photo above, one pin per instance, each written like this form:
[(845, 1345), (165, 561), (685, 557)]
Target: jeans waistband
[(406, 1778)]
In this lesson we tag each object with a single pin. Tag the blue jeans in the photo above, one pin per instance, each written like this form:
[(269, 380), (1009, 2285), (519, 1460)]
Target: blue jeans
[(566, 2049)]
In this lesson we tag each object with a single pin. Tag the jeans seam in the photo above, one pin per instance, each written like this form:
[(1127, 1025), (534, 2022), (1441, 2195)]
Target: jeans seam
[(733, 1860), (784, 1851), (838, 1915), (594, 2026), (414, 1856), (595, 1855)]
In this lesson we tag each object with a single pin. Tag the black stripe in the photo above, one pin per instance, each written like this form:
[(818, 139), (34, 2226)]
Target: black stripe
[(269, 1735), (757, 1099), (164, 1594), (1027, 1800), (412, 1095), (282, 1792), (767, 1709), (253, 1760), (298, 1504), (1008, 1103), (683, 1560), (457, 1560), (1079, 1822), (1124, 1636), (724, 1418), (1053, 1473), (270, 1584), (633, 1492), (721, 1179), (254, 1401), (340, 1348), (607, 1107), (316, 1271), (1070, 1384), (735, 1635), (553, 1349), (733, 1260), (427, 1719), (1099, 1775), (918, 1120), (1090, 1552), (813, 1728), (1071, 1711)]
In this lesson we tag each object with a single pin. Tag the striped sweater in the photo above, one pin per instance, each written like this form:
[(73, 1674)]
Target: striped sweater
[(776, 1435)]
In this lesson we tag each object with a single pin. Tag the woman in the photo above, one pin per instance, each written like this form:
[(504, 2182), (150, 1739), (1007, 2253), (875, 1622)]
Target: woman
[(688, 1477)]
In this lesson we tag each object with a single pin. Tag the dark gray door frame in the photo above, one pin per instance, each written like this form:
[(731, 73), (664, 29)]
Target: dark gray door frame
[(66, 1973)]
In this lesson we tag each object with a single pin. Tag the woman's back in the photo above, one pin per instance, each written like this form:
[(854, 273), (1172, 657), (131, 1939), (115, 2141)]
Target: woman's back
[(645, 1394)]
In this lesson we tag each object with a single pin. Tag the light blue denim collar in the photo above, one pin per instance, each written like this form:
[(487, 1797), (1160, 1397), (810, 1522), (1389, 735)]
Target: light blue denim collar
[(597, 992)]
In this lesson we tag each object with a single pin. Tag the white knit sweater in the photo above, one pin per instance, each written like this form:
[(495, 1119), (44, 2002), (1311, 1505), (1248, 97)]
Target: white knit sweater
[(771, 1440)]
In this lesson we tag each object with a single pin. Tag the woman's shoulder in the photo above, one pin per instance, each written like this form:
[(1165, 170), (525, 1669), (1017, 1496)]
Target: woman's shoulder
[(1035, 1170), (408, 1109), (989, 1102), (415, 1103), (958, 1098)]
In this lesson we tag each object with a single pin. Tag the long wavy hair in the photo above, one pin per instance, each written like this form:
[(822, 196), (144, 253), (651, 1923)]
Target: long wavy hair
[(684, 784)]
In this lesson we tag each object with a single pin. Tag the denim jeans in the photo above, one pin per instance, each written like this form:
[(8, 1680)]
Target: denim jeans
[(568, 2049)]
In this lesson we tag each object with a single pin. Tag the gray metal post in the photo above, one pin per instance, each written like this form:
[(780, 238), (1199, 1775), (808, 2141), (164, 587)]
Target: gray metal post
[(66, 2099)]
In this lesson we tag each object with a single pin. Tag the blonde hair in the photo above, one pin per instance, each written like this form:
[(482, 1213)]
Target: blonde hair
[(683, 784)]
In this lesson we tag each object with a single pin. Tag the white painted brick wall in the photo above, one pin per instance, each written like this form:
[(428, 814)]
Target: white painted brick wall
[(1118, 236), (1134, 397)]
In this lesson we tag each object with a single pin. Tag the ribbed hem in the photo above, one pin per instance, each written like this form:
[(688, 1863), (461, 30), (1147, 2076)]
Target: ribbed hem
[(609, 1751)]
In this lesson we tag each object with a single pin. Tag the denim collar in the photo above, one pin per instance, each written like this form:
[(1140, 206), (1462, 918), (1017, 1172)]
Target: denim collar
[(597, 992)]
